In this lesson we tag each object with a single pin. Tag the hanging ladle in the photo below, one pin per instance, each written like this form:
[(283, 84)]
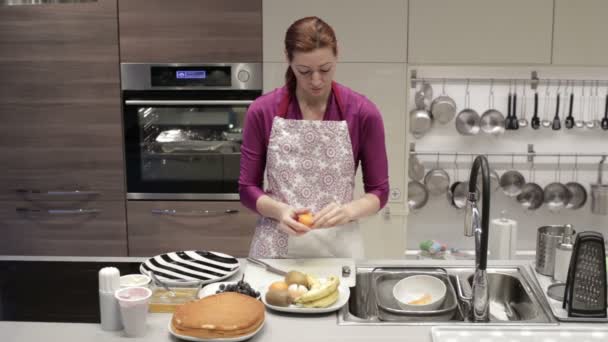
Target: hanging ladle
[(569, 122), (535, 122), (523, 122)]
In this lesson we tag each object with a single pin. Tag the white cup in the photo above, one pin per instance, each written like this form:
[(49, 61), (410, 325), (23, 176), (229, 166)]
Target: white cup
[(133, 302)]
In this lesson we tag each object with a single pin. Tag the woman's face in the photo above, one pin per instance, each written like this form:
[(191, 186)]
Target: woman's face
[(314, 71)]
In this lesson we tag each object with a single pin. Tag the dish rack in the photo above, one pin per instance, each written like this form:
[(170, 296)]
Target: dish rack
[(383, 281)]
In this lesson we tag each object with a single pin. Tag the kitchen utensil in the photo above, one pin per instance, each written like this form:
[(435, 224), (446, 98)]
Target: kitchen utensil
[(514, 122), (605, 119), (535, 122), (593, 109), (585, 294), (599, 193), (546, 122), (437, 180), (557, 124), (450, 194), (509, 109), (492, 121), (417, 195), (421, 121), (579, 193), (512, 181), (266, 266), (415, 168), (467, 120), (532, 195), (547, 240), (557, 194), (580, 122), (523, 122), (423, 96), (443, 108), (569, 122)]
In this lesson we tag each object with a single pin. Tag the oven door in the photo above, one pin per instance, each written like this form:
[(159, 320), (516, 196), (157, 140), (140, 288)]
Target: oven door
[(184, 145)]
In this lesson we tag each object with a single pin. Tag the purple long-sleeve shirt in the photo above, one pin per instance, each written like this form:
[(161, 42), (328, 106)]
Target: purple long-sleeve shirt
[(364, 125)]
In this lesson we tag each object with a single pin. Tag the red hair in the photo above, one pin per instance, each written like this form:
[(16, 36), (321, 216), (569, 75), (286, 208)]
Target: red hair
[(305, 35)]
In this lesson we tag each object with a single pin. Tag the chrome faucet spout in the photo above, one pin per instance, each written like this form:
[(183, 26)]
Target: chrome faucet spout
[(477, 225)]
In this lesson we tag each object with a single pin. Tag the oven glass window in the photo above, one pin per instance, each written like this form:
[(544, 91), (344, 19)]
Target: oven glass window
[(191, 144)]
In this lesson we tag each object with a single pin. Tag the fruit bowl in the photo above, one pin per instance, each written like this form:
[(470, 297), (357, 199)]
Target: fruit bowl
[(420, 293)]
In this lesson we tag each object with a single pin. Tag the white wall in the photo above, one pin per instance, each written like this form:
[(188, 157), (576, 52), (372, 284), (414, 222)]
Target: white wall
[(439, 221)]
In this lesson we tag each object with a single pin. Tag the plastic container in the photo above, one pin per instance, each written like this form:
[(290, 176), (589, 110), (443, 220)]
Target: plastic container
[(563, 253), (135, 280), (133, 302), (109, 282)]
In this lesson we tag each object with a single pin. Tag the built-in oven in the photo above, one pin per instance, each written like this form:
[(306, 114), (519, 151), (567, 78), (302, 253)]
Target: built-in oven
[(183, 128)]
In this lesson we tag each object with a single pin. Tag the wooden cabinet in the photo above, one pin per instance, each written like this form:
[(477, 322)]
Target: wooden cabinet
[(580, 32), (64, 228), (480, 31), (163, 226), (190, 31), (367, 31), (61, 126)]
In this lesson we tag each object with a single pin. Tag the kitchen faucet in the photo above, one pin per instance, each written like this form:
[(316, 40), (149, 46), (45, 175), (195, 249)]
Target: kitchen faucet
[(477, 225)]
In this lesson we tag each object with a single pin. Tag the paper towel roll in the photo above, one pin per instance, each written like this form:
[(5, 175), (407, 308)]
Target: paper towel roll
[(503, 239)]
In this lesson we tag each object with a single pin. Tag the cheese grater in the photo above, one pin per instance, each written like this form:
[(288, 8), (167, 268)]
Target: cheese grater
[(585, 293)]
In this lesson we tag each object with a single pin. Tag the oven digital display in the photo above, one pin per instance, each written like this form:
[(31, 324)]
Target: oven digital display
[(190, 74)]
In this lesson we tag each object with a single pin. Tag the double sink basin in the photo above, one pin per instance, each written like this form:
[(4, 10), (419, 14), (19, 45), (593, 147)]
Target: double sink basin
[(514, 299)]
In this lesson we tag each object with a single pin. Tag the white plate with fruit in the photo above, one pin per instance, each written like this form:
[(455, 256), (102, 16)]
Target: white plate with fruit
[(305, 293)]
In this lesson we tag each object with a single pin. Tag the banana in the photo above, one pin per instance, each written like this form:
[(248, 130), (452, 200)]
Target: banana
[(312, 282), (324, 290), (323, 302)]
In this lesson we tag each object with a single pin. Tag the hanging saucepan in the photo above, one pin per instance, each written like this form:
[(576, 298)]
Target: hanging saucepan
[(443, 108), (557, 194), (415, 168), (467, 121), (421, 120), (579, 193), (599, 193), (437, 180), (424, 96), (512, 181), (417, 195), (531, 196), (492, 121)]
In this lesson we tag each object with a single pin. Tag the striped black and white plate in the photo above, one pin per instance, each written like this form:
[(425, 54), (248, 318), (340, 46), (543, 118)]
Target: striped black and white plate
[(187, 268)]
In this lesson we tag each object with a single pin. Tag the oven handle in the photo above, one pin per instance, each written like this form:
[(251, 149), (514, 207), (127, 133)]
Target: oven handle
[(189, 102), (173, 212)]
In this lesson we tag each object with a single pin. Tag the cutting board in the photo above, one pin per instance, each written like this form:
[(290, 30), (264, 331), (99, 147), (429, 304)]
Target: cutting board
[(319, 267)]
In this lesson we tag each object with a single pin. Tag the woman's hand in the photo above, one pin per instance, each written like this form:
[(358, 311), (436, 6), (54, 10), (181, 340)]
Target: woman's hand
[(335, 214), (288, 221)]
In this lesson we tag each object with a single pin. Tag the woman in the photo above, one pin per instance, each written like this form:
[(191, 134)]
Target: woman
[(309, 136)]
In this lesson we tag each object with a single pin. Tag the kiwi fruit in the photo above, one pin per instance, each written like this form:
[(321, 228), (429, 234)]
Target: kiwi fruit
[(296, 277), (278, 298)]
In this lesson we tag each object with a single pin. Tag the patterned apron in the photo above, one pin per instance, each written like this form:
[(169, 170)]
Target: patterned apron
[(309, 164)]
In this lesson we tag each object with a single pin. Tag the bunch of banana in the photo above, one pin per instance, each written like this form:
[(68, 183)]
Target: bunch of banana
[(320, 295)]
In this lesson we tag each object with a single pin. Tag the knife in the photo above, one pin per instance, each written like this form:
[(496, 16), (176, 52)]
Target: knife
[(266, 266)]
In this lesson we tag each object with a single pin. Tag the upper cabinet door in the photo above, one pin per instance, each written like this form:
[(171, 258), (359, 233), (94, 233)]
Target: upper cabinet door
[(480, 31), (580, 32), (190, 31), (367, 31)]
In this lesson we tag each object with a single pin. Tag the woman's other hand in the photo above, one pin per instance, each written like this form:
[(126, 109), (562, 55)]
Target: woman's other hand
[(288, 221), (334, 214)]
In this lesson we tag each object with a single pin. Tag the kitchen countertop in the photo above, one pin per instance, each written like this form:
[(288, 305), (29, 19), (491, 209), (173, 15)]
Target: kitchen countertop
[(278, 326)]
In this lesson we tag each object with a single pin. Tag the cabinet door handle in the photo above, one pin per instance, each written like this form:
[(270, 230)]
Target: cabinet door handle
[(174, 212), (59, 212), (58, 193)]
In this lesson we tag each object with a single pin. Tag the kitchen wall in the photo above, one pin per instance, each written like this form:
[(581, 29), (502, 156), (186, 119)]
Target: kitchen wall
[(440, 221)]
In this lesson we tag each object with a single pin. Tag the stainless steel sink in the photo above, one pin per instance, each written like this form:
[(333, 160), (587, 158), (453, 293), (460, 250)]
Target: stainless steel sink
[(514, 299)]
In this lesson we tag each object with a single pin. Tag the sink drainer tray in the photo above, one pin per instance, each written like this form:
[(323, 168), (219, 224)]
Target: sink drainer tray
[(383, 281)]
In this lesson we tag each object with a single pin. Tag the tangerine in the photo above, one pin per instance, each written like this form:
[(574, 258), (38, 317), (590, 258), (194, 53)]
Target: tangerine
[(306, 219)]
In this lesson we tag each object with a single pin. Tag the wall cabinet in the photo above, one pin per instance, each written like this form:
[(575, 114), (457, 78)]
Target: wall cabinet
[(580, 32), (480, 31), (367, 31), (61, 129), (158, 227), (190, 31)]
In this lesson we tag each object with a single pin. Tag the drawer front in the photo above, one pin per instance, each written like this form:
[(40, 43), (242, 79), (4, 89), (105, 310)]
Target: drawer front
[(92, 228), (162, 226)]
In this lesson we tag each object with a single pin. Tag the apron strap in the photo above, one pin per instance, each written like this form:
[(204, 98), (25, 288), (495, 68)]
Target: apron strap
[(286, 99)]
